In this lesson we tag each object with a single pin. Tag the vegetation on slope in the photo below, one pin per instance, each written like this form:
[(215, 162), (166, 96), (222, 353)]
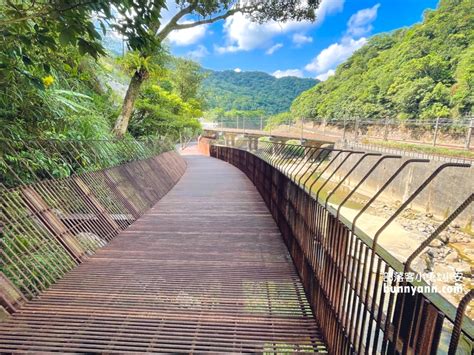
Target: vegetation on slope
[(250, 91), (422, 72), (64, 94)]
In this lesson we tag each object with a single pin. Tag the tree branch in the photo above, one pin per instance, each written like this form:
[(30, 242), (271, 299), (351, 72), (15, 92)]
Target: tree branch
[(174, 25), (170, 26), (182, 26)]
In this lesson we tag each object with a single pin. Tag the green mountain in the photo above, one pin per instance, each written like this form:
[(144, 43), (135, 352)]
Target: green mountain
[(229, 90), (421, 72)]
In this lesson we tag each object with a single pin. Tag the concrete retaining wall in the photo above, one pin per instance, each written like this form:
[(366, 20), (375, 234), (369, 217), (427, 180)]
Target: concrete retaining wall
[(441, 197)]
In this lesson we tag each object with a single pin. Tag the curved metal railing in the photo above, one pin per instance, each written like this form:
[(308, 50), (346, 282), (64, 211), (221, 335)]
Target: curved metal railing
[(62, 200), (355, 285)]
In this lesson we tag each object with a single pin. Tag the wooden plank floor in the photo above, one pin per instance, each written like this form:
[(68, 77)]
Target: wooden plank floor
[(205, 270)]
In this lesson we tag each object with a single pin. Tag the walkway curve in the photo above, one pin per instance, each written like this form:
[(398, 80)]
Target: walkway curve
[(205, 270)]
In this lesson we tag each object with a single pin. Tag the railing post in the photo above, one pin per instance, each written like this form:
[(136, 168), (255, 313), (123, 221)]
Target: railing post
[(302, 129), (469, 133), (344, 131), (94, 202), (435, 138), (356, 129), (385, 133), (39, 207)]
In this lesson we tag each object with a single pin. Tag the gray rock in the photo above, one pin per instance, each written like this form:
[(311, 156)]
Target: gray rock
[(436, 243), (464, 268), (453, 238), (444, 238), (453, 256)]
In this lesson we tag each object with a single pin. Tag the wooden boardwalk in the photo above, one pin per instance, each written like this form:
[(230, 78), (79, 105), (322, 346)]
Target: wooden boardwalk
[(205, 270)]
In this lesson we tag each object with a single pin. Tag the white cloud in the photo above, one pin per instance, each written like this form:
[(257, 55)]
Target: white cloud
[(225, 49), (329, 58), (244, 35), (238, 70), (299, 39), (187, 36), (200, 52), (289, 72), (273, 49), (334, 55), (328, 7), (361, 22), (324, 76)]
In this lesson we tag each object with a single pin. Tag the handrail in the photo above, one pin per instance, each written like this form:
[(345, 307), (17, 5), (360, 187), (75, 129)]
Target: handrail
[(360, 301), (27, 161), (50, 221)]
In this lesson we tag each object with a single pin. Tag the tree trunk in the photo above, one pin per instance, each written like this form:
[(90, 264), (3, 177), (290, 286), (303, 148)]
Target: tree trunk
[(133, 90)]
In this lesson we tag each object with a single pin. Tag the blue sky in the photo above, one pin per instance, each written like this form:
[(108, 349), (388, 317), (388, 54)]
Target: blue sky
[(300, 49)]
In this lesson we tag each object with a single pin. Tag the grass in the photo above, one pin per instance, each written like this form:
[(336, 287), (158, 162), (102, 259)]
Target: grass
[(420, 148)]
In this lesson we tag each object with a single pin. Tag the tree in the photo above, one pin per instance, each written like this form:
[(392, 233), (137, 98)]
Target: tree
[(188, 78), (205, 12), (52, 23), (420, 72)]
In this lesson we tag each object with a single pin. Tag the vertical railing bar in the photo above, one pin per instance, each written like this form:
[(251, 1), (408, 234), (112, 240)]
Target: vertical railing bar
[(344, 178), (312, 150), (36, 230), (322, 150), (395, 215), (453, 344), (71, 186), (22, 250), (335, 171), (54, 187)]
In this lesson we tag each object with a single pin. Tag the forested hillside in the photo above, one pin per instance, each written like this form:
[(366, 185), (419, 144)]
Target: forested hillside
[(422, 72), (249, 91)]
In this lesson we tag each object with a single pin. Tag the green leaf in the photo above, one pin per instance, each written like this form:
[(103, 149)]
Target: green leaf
[(37, 83), (26, 60), (72, 93), (102, 26), (67, 37), (86, 47)]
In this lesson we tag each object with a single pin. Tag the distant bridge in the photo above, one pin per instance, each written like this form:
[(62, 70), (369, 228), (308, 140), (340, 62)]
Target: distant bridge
[(314, 139)]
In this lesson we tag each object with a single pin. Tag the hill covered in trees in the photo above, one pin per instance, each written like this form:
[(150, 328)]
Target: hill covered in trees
[(250, 91), (421, 72)]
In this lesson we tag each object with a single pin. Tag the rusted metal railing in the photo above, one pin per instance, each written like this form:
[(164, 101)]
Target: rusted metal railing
[(345, 271), (61, 200)]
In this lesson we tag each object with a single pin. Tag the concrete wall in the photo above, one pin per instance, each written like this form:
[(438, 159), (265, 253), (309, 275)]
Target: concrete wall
[(441, 197)]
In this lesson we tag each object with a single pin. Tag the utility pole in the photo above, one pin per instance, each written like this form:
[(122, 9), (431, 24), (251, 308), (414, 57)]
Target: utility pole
[(261, 123)]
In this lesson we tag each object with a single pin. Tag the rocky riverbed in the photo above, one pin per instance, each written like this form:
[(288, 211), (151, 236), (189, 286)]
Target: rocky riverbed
[(450, 254)]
